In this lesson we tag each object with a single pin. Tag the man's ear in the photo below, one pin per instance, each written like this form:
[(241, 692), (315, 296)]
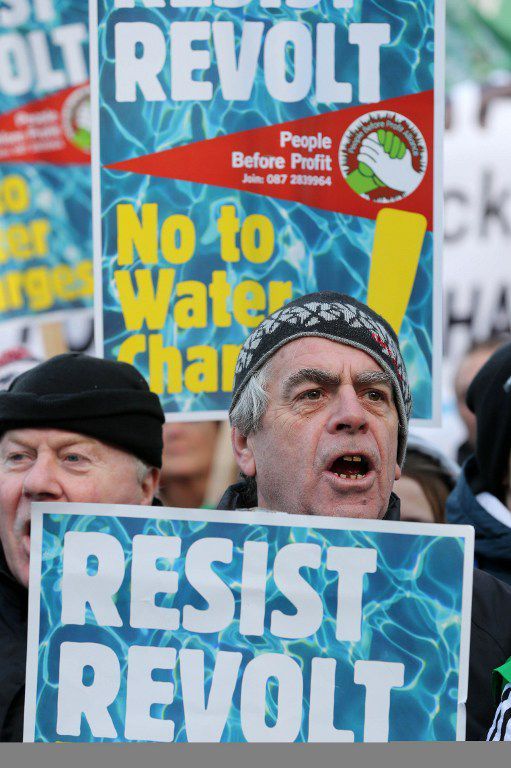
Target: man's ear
[(398, 472), (243, 453), (149, 486)]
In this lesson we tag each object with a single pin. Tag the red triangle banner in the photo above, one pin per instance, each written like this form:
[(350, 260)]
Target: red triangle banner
[(55, 129), (351, 161)]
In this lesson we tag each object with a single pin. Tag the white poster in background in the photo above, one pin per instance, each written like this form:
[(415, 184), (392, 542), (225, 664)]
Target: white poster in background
[(477, 243), (477, 236)]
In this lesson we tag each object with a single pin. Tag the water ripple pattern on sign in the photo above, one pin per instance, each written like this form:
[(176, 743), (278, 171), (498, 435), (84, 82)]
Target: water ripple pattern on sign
[(52, 271), (411, 614)]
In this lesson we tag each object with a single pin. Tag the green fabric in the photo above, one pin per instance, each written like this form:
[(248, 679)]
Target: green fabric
[(501, 677)]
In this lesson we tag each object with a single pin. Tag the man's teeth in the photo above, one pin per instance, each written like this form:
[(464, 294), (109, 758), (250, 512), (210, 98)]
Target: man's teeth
[(357, 458)]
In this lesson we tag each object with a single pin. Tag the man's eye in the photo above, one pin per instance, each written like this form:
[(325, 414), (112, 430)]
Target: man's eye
[(16, 458), (73, 458), (310, 394), (375, 395)]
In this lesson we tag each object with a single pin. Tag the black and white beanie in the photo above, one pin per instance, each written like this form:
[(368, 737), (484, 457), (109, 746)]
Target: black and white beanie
[(332, 316)]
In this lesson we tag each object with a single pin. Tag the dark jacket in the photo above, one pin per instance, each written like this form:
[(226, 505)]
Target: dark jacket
[(490, 644), (13, 651), (492, 538), (243, 495)]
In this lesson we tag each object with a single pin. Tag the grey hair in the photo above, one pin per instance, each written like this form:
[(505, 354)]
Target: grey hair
[(248, 412), (141, 469)]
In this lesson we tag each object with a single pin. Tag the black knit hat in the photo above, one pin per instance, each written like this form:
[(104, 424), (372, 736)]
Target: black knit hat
[(489, 397), (332, 316), (99, 398)]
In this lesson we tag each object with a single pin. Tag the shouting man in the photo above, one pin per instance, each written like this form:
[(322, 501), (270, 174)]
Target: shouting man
[(319, 418)]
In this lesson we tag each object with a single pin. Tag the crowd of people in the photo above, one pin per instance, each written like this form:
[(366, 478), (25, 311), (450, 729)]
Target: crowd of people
[(319, 425)]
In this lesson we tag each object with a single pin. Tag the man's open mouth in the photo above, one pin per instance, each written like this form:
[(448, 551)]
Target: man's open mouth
[(350, 466)]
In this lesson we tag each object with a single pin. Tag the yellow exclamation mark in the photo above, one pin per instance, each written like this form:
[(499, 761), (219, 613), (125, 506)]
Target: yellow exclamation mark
[(397, 246)]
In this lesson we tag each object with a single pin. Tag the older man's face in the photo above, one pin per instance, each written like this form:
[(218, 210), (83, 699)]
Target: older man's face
[(328, 440), (54, 465)]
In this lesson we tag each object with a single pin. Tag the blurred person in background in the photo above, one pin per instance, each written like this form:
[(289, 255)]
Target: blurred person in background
[(14, 362), (482, 496), (197, 463), (472, 362), (427, 479)]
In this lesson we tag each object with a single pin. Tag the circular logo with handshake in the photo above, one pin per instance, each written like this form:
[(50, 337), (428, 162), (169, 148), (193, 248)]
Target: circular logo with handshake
[(383, 157), (76, 119)]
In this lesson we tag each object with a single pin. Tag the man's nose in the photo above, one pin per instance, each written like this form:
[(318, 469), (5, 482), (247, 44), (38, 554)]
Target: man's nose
[(41, 481), (347, 414)]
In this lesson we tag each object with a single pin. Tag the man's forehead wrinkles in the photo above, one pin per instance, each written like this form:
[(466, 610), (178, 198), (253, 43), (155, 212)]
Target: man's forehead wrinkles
[(55, 437), (19, 438), (320, 375)]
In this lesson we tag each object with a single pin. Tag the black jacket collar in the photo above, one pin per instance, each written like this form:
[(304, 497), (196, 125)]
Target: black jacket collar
[(243, 495)]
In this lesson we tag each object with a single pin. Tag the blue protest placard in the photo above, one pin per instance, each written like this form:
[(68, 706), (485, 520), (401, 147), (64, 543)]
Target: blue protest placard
[(252, 151), (45, 186), (150, 624)]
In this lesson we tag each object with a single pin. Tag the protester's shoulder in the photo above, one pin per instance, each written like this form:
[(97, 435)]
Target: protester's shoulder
[(490, 589), (13, 629), (13, 607), (491, 608), (13, 619)]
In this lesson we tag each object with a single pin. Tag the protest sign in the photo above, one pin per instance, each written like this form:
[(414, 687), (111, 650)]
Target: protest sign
[(477, 221), (151, 624), (476, 279), (45, 205), (251, 151)]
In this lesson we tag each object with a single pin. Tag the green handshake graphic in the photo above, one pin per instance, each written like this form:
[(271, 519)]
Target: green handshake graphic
[(383, 161)]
